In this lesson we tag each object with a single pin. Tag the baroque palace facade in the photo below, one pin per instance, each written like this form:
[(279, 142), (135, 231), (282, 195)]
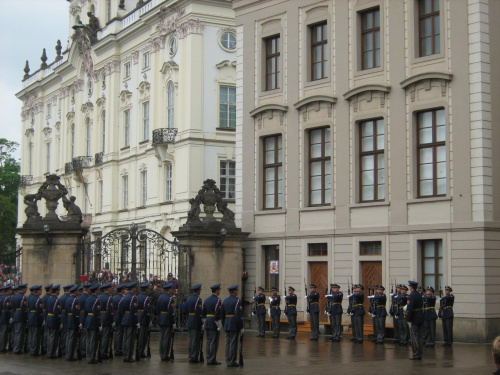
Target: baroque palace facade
[(136, 117), (366, 150)]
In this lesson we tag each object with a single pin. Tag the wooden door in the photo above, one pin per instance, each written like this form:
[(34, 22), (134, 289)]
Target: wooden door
[(319, 277), (371, 275)]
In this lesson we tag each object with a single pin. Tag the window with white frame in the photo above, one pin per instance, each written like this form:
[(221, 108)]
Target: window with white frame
[(72, 141), (127, 69), (273, 172), (103, 131), (125, 192), (144, 188), (101, 196), (228, 179), (126, 128), (145, 60), (145, 121), (87, 137), (170, 104), (168, 182), (48, 156), (372, 160), (227, 107)]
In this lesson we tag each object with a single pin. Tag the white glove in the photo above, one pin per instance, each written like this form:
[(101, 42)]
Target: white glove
[(80, 326), (270, 299), (203, 326), (175, 325), (269, 311), (100, 328), (219, 325), (242, 331), (113, 325), (138, 325), (60, 327), (43, 323), (11, 321), (253, 313)]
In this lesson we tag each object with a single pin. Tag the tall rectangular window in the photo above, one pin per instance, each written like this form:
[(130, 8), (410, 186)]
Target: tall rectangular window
[(272, 264), (429, 27), (108, 10), (126, 128), (145, 121), (318, 249), (370, 248), (103, 131), (144, 188), (87, 137), (168, 182), (319, 51), (431, 153), (227, 179), (72, 141), (145, 60), (273, 63), (170, 105), (48, 156), (125, 192), (432, 263), (273, 172), (127, 70), (372, 161), (320, 165), (101, 196), (370, 39), (31, 158), (227, 107)]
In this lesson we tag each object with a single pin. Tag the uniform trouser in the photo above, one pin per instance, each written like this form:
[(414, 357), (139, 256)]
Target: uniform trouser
[(118, 339), (143, 337), (379, 327), (34, 339), (70, 344), (44, 341), (430, 332), (128, 342), (19, 333), (315, 325), (91, 349), (417, 339), (336, 325), (276, 325), (261, 320), (212, 345), (194, 343), (83, 341), (62, 340), (52, 340), (448, 331), (357, 327), (292, 325), (165, 342), (106, 333), (403, 330), (4, 336), (231, 346), (395, 323)]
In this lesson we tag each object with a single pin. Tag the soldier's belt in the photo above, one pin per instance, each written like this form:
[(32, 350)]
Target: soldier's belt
[(260, 304), (314, 303), (63, 310), (164, 312), (447, 307), (417, 309), (210, 315), (429, 308), (32, 310), (140, 310), (359, 304), (230, 316), (50, 314), (290, 305), (103, 312), (18, 309), (127, 312), (191, 314), (90, 314), (69, 314), (275, 307)]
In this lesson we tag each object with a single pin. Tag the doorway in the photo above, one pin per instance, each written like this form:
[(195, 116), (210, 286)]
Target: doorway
[(371, 275), (319, 277)]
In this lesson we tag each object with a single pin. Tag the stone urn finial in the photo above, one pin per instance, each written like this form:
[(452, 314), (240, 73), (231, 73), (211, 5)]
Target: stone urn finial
[(43, 65), (26, 71), (58, 50), (52, 190)]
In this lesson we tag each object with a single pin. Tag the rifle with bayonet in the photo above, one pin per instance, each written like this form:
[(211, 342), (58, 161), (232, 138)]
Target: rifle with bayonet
[(202, 359), (307, 295), (241, 349)]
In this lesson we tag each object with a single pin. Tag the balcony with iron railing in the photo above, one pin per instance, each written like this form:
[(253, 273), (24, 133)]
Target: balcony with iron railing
[(99, 157), (164, 135), (81, 162), (25, 180), (68, 167)]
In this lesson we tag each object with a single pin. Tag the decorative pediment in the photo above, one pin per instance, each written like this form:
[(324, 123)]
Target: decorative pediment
[(101, 101), (168, 66), (366, 93), (181, 29), (125, 96), (144, 87), (425, 80), (87, 108), (268, 111), (70, 115), (365, 88), (46, 132), (226, 63), (314, 102)]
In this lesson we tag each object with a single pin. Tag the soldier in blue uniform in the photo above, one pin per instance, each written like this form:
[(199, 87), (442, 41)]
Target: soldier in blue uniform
[(379, 300), (194, 323), (106, 319), (92, 323), (4, 317), (403, 325), (313, 310), (118, 338), (334, 311), (393, 311), (72, 307), (128, 310), (430, 317), (143, 317), (291, 313), (415, 319), (357, 312), (260, 311), (232, 320), (274, 306), (45, 298), (53, 322), (165, 307), (83, 333), (211, 313), (35, 319), (62, 299), (446, 314), (19, 305)]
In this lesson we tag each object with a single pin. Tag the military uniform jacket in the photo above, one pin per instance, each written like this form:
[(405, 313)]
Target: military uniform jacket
[(393, 310), (291, 304), (356, 304), (380, 301), (334, 303), (143, 309), (53, 312), (63, 299), (165, 307), (19, 305), (211, 311), (260, 304), (106, 309), (414, 310), (232, 314), (93, 312), (127, 308), (195, 311), (4, 309), (446, 307), (313, 300), (83, 299), (35, 314), (45, 298), (401, 301), (429, 308), (72, 308), (274, 304), (116, 313)]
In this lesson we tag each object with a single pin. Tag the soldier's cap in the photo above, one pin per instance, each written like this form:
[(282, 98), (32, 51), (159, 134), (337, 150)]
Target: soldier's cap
[(87, 285), (430, 288), (106, 286), (170, 274), (360, 286), (23, 286), (447, 287), (131, 285), (404, 287), (414, 284), (379, 287), (196, 287), (94, 287), (47, 287), (215, 287), (312, 286), (233, 287), (274, 288), (167, 286), (56, 287), (398, 286), (120, 287), (80, 288), (16, 287), (145, 285), (69, 286), (5, 287), (35, 287), (74, 288), (291, 288), (260, 288), (334, 286)]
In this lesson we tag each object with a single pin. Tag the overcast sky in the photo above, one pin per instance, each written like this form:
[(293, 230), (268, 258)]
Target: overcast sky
[(26, 28)]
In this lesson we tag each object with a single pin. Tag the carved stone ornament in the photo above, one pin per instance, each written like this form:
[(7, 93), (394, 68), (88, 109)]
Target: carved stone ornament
[(174, 25)]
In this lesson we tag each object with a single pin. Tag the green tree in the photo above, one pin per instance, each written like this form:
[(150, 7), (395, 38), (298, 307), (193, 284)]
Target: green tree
[(9, 181)]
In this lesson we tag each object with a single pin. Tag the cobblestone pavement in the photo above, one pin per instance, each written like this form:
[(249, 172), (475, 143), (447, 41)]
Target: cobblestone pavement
[(279, 356)]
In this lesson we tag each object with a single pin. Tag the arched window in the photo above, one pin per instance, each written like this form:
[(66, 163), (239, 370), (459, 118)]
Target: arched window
[(103, 130), (72, 141), (108, 10), (170, 105), (87, 125)]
